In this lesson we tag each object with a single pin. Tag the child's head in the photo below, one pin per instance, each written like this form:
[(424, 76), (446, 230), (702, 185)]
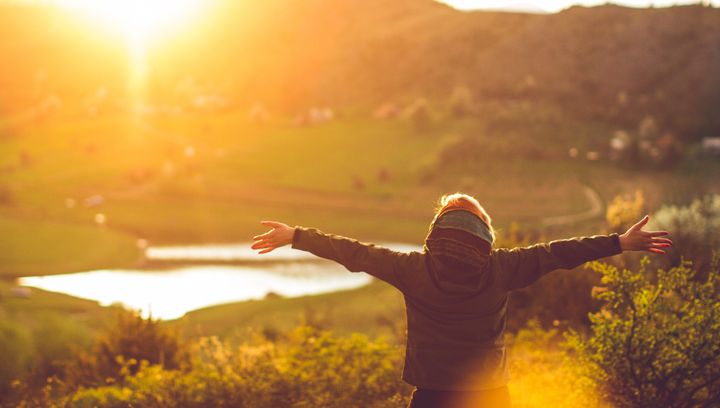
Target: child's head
[(460, 201), (461, 228)]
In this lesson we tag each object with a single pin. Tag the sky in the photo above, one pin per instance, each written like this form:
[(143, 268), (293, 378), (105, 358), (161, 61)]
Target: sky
[(552, 6), (547, 6)]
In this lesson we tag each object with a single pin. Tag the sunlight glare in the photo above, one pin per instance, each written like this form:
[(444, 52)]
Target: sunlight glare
[(137, 20)]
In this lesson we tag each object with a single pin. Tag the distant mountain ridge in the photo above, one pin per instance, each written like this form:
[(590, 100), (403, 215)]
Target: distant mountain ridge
[(600, 61)]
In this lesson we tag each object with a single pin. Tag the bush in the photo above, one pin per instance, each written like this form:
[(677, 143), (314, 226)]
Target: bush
[(419, 115), (694, 229), (6, 196), (56, 341), (624, 211), (313, 369), (121, 351), (461, 102), (32, 349), (655, 342), (559, 297), (15, 354), (562, 297)]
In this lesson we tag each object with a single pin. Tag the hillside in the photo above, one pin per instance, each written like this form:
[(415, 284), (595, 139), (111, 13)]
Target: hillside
[(610, 63)]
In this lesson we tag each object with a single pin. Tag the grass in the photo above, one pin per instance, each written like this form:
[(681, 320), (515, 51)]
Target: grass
[(376, 309), (43, 301), (210, 178), (51, 325), (206, 169), (41, 248)]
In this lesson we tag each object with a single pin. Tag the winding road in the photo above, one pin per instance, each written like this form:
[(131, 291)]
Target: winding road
[(596, 210)]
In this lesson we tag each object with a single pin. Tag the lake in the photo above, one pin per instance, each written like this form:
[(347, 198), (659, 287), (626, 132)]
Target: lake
[(193, 277)]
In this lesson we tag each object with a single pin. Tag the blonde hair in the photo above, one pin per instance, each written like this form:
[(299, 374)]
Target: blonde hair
[(461, 201)]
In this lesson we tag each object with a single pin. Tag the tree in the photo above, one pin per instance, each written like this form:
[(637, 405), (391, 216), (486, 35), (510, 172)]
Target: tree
[(654, 343)]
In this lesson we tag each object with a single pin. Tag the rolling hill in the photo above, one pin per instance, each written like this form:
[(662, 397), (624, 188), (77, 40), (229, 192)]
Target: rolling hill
[(609, 63)]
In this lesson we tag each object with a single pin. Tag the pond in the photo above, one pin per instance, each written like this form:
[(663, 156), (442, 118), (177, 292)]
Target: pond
[(193, 277)]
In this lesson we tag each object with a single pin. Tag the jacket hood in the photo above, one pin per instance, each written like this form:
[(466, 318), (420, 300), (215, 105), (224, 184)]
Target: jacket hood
[(452, 277), (459, 249)]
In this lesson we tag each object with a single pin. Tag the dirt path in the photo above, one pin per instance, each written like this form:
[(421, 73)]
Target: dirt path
[(596, 210)]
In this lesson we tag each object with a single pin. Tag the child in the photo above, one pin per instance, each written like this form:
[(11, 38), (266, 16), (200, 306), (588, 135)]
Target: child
[(456, 292)]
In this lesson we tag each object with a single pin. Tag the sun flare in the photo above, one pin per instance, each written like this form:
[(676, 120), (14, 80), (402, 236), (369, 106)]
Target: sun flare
[(138, 21)]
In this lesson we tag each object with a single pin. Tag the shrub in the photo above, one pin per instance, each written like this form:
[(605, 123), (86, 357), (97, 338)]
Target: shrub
[(6, 196), (624, 211), (121, 351), (695, 231), (419, 115), (313, 369), (341, 372), (461, 102), (34, 349), (15, 353), (557, 297), (56, 341), (654, 343)]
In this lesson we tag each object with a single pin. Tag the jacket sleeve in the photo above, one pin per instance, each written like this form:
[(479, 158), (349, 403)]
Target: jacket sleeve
[(520, 267), (382, 263)]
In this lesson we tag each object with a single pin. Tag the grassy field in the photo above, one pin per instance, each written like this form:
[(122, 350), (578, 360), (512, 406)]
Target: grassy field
[(153, 144), (39, 248), (376, 309), (212, 178), (202, 178)]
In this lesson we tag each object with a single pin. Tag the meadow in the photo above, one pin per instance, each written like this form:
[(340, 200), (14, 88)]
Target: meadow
[(211, 178), (189, 122), (82, 193)]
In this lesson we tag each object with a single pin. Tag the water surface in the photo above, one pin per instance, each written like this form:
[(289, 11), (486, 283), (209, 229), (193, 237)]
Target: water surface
[(169, 293)]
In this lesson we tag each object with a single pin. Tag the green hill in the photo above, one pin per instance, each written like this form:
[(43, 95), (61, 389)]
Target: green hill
[(610, 63)]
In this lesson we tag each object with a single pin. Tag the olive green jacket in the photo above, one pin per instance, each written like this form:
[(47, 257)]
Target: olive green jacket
[(455, 331)]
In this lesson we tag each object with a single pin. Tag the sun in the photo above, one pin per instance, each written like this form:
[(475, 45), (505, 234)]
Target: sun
[(139, 21)]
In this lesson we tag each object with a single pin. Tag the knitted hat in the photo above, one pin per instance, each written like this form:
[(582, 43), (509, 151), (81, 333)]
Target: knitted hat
[(461, 236), (464, 220)]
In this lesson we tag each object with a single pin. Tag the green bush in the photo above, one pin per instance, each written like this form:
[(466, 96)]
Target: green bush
[(34, 347), (15, 354), (6, 196), (55, 340), (121, 351), (461, 102), (694, 229), (655, 342), (313, 369), (419, 115), (624, 211), (559, 297)]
